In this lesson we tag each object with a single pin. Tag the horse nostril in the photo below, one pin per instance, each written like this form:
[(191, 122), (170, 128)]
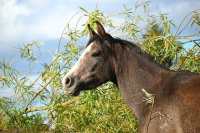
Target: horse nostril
[(68, 81)]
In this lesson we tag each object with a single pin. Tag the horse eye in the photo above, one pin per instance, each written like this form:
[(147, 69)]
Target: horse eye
[(95, 54)]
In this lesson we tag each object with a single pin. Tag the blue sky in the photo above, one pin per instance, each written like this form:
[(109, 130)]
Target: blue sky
[(23, 21), (26, 20)]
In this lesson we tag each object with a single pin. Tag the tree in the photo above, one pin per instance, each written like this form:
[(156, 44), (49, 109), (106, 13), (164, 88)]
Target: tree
[(100, 110)]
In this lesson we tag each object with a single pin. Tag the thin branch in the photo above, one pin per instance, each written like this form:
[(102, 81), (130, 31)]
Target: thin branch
[(55, 59), (33, 83), (179, 30), (41, 90), (59, 43), (43, 108), (198, 44), (181, 23), (61, 36), (38, 93), (188, 36), (190, 41)]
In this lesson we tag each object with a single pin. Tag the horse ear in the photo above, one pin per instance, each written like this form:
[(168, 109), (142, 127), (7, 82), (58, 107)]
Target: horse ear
[(100, 30), (92, 33)]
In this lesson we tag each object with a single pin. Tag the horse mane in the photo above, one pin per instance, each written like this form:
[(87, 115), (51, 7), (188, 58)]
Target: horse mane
[(141, 52), (136, 48)]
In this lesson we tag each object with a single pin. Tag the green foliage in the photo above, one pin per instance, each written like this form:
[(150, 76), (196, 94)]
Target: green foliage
[(160, 43), (12, 119), (93, 16), (7, 72), (130, 24), (196, 17), (99, 110), (26, 51), (190, 60)]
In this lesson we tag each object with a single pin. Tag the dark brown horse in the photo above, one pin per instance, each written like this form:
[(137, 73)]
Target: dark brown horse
[(164, 101)]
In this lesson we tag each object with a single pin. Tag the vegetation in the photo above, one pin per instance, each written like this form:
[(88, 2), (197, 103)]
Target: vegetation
[(102, 109)]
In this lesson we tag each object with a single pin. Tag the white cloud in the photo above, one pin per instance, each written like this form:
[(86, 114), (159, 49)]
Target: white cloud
[(9, 22), (31, 20), (177, 9), (37, 3), (48, 25), (28, 20)]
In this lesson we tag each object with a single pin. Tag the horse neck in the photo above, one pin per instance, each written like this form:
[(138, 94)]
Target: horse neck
[(136, 72)]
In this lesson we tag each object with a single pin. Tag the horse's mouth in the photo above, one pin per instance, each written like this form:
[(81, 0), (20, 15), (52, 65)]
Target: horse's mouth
[(79, 86), (75, 92)]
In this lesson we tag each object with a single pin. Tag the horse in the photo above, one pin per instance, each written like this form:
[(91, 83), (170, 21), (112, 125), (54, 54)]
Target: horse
[(163, 101)]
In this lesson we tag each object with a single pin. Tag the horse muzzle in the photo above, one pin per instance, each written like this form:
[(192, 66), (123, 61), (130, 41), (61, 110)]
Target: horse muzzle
[(71, 85)]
